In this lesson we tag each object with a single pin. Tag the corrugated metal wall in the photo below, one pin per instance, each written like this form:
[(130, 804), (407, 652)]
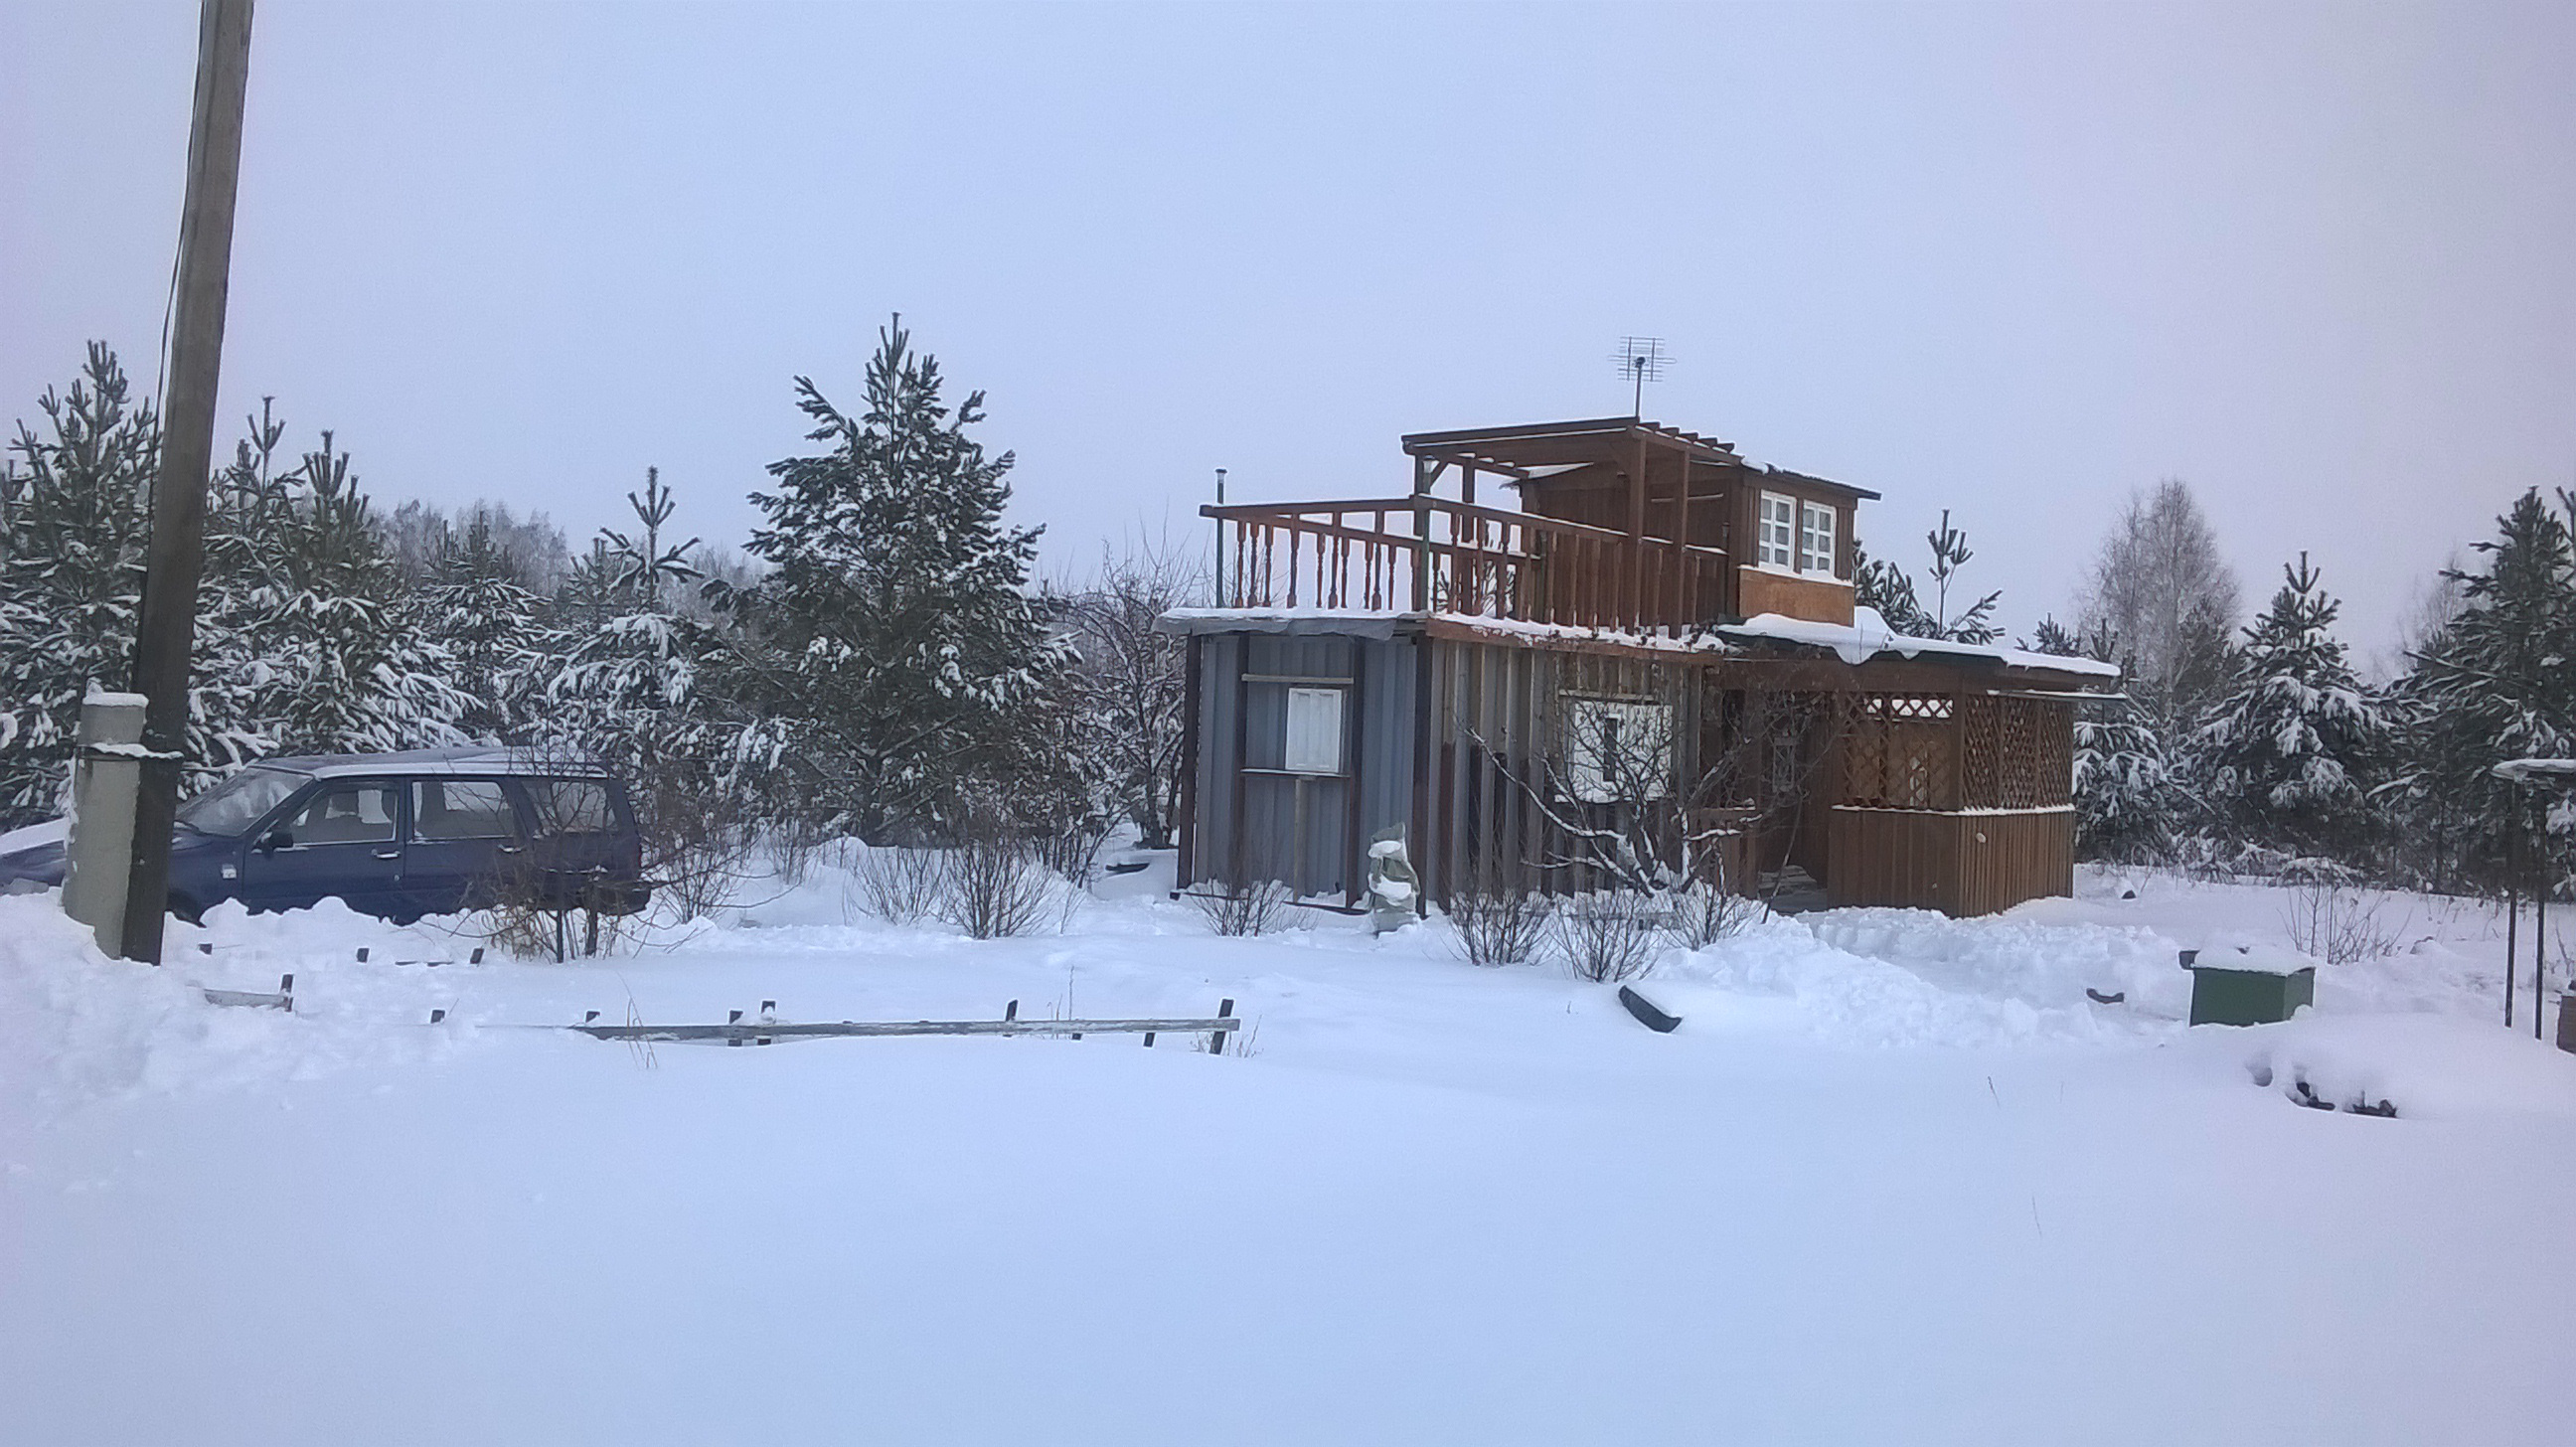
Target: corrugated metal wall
[(1249, 822), (1491, 711)]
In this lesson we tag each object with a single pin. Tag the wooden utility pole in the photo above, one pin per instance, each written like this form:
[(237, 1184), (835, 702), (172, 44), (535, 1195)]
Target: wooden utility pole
[(165, 633)]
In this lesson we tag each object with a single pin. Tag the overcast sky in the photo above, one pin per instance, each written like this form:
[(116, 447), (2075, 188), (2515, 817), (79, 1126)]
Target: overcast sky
[(2010, 261)]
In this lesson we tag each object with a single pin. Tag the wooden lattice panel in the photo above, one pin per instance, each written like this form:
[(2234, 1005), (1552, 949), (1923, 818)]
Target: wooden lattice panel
[(1981, 765), (2052, 753), (2019, 753), (1897, 752)]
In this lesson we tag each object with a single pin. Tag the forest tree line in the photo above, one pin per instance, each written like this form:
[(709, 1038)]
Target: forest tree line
[(882, 663), (2258, 747)]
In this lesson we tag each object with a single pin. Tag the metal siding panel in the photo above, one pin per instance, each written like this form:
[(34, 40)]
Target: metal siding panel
[(1218, 663)]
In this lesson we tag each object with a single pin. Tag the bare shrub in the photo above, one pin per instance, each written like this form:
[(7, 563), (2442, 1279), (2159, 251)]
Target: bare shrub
[(533, 908), (997, 887), (1500, 920), (700, 837), (1610, 936), (1074, 851), (1132, 678), (1254, 907), (1703, 914), (2339, 924), (901, 886)]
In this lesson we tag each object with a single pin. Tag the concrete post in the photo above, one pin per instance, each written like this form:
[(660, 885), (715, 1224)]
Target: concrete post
[(98, 856)]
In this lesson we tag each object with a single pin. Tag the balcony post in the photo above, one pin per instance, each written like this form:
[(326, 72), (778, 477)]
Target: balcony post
[(1422, 475)]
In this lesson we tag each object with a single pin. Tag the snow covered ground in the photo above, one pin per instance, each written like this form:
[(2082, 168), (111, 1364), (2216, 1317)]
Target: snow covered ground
[(1895, 1179)]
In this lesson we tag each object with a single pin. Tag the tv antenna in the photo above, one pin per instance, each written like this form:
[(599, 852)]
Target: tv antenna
[(1642, 360)]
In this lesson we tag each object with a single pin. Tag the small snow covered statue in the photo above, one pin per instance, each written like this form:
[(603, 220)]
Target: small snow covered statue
[(1392, 883)]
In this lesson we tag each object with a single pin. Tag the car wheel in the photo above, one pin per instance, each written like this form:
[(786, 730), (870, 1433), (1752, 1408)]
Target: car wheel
[(188, 910)]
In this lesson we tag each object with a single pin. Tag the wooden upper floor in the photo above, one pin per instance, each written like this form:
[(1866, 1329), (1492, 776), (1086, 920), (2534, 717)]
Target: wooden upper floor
[(1611, 523)]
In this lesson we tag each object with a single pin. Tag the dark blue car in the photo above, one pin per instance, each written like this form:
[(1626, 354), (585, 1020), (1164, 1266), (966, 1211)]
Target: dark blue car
[(397, 836)]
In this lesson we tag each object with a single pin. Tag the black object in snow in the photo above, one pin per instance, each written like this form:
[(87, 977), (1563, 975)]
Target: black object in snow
[(1646, 1013)]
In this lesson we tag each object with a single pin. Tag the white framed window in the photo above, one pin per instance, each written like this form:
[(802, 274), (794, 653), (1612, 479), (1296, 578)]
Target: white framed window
[(1779, 523), (1618, 751), (1815, 538), (1314, 731)]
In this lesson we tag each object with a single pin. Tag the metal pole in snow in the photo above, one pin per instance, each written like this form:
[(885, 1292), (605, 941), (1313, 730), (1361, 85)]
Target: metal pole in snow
[(2512, 901), (2540, 929)]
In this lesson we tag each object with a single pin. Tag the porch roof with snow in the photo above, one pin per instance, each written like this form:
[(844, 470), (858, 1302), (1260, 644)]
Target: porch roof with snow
[(1866, 641)]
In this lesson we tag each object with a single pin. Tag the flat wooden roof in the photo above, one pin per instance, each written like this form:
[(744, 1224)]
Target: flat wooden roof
[(1516, 452)]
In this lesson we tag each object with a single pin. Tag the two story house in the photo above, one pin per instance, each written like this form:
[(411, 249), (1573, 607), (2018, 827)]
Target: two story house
[(1576, 650)]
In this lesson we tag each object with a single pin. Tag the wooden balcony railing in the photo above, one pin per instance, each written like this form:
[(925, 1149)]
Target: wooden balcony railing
[(1428, 554)]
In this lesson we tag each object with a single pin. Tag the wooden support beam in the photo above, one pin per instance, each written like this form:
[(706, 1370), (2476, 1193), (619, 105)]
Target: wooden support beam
[(1423, 473), (1634, 593), (738, 1031), (166, 621)]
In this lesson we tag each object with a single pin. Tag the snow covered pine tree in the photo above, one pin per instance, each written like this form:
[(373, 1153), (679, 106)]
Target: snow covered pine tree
[(2495, 683), (346, 663), (477, 610), (2124, 789), (71, 559), (893, 643), (2292, 743)]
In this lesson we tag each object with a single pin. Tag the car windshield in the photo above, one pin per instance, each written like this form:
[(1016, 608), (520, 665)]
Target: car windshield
[(231, 807)]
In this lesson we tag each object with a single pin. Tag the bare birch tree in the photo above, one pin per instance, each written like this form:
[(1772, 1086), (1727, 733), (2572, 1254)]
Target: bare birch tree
[(2161, 591)]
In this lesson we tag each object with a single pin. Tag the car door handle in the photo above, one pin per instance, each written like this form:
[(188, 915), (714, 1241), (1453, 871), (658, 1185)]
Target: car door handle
[(389, 854)]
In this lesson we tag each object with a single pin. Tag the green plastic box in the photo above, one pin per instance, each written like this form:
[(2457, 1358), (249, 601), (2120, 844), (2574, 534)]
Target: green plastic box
[(2248, 985)]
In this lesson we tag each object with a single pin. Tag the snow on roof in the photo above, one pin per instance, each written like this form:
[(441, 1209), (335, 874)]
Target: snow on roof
[(1363, 622), (467, 760), (1855, 643), (1868, 635), (2253, 959)]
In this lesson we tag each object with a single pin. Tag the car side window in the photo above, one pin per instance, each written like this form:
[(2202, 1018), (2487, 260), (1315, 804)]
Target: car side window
[(569, 806), (444, 809), (347, 814)]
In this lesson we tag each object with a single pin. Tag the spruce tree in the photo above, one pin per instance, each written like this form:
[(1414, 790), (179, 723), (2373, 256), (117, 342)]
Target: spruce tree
[(898, 644), (2497, 682), (2125, 804), (2291, 746)]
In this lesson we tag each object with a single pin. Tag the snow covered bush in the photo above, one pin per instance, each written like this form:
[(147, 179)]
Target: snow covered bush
[(2340, 924), (995, 886), (1610, 935), (1500, 918), (898, 885), (1254, 907), (1704, 913)]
